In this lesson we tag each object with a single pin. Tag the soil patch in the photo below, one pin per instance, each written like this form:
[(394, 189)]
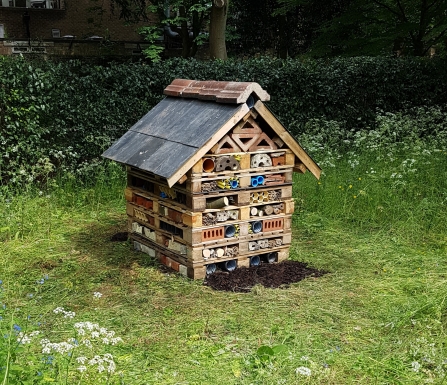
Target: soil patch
[(269, 275), (120, 237)]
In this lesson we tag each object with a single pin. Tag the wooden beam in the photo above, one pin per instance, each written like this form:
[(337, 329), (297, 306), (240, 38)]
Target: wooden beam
[(288, 139), (208, 145)]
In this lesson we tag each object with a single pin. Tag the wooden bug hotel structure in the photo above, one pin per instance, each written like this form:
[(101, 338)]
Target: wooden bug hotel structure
[(210, 178)]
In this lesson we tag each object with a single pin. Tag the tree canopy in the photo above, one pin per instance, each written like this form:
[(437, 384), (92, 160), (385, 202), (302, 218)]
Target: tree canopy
[(376, 27)]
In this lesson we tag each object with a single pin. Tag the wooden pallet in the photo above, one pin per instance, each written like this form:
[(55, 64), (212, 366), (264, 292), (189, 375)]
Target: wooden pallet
[(196, 270), (199, 203), (194, 187), (196, 253), (287, 160)]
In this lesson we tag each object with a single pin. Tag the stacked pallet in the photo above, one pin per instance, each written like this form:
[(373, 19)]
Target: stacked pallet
[(231, 201)]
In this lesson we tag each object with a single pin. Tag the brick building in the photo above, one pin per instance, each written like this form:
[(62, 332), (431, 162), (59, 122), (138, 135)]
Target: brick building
[(66, 28)]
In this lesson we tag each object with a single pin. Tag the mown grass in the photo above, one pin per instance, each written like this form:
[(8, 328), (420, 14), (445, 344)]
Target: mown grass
[(378, 317)]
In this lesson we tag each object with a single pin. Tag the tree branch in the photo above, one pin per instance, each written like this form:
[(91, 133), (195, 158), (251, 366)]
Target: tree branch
[(379, 3)]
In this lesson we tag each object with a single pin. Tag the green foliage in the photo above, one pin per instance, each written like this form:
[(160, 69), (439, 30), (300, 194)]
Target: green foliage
[(64, 115), (364, 27), (154, 51)]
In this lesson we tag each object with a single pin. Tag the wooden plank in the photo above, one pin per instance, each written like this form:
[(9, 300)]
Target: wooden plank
[(221, 132), (299, 167), (289, 207), (287, 138), (198, 167)]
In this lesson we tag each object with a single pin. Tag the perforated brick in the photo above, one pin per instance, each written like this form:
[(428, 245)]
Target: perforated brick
[(273, 224), (211, 234)]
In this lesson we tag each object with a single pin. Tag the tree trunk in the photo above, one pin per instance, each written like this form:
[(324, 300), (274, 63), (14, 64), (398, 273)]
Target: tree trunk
[(218, 22), (186, 45)]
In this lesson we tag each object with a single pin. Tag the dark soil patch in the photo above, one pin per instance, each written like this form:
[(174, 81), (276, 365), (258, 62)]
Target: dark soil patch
[(119, 237), (269, 275)]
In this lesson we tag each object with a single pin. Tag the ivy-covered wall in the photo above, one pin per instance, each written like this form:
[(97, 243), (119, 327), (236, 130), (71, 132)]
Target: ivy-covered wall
[(63, 115)]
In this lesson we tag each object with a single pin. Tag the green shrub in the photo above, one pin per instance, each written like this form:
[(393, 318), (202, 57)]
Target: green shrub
[(64, 115)]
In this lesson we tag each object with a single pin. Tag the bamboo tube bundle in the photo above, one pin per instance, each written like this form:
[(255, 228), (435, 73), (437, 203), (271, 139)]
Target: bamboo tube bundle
[(209, 219), (228, 251), (274, 195), (209, 186)]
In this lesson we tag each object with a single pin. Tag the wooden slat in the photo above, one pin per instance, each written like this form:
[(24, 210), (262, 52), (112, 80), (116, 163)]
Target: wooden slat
[(288, 139)]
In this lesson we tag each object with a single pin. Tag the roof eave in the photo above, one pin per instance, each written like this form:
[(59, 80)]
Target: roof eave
[(291, 142)]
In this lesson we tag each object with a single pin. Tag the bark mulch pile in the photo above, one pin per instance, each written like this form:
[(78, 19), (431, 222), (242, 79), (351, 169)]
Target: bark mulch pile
[(269, 275)]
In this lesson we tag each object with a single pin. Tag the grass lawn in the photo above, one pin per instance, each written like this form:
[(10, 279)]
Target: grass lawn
[(378, 317)]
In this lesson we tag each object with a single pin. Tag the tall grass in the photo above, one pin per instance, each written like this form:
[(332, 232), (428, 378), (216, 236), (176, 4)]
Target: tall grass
[(31, 210), (388, 180)]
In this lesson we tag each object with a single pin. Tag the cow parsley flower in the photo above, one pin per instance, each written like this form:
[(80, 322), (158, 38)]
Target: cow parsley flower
[(303, 371)]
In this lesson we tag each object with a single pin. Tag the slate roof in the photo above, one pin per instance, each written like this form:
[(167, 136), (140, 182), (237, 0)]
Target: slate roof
[(170, 134)]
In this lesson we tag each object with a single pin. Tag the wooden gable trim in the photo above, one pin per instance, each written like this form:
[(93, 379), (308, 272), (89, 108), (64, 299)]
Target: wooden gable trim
[(288, 139), (208, 145)]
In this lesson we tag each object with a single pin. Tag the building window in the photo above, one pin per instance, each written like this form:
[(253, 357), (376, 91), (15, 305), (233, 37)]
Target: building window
[(48, 4), (2, 31)]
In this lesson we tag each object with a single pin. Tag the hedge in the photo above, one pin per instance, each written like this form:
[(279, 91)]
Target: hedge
[(64, 114)]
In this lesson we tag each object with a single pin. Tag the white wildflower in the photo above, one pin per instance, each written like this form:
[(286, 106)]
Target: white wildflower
[(22, 338), (66, 313), (116, 340), (95, 334), (97, 294), (304, 358), (303, 371), (111, 367), (82, 368), (415, 366), (81, 360)]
